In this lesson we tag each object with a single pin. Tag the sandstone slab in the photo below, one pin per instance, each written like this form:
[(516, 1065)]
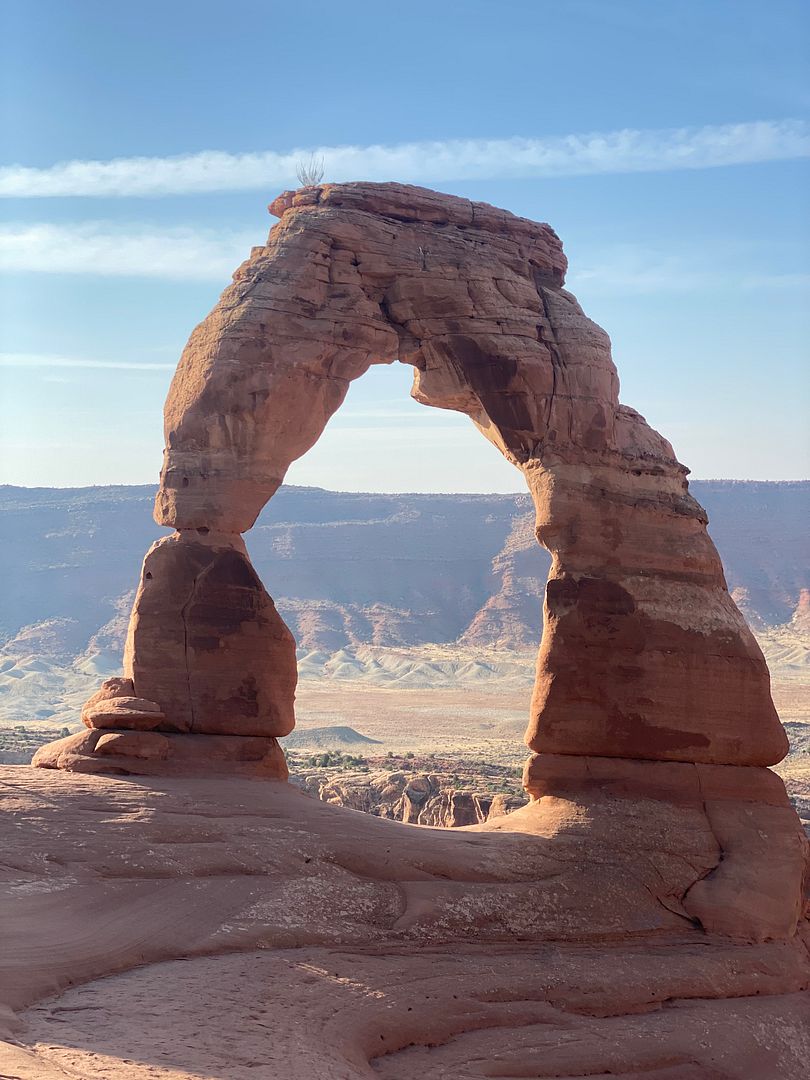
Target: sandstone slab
[(155, 753), (187, 927), (123, 712), (753, 886)]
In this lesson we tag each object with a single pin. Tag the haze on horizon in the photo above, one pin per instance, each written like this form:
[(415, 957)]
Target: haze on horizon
[(668, 145)]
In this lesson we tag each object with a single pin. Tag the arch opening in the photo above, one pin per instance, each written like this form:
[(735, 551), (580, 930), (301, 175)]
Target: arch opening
[(381, 440)]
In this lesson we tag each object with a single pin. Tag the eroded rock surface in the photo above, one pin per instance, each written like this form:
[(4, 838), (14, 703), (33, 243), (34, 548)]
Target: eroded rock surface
[(313, 941), (155, 753), (206, 642), (644, 653)]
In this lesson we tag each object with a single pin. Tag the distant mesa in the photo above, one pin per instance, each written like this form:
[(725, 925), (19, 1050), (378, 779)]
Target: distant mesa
[(476, 588), (327, 738)]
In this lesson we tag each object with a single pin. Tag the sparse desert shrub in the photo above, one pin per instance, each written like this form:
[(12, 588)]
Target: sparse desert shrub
[(310, 172)]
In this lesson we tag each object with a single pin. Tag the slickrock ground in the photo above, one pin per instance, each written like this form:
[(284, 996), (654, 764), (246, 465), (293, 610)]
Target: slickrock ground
[(179, 929)]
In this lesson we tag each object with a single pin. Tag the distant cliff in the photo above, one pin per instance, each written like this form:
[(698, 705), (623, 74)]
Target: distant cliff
[(353, 569)]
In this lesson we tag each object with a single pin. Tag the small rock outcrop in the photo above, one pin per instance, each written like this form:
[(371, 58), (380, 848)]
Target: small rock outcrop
[(415, 798)]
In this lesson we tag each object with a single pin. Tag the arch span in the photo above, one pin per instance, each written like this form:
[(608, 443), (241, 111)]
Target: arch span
[(644, 654)]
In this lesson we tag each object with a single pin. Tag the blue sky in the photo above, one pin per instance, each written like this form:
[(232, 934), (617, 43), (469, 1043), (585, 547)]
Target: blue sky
[(667, 143)]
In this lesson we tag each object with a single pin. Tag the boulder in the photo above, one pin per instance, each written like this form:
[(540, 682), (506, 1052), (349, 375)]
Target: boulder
[(123, 712)]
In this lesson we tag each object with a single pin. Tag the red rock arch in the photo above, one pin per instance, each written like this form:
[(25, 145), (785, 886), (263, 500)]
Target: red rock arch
[(644, 653), (649, 684)]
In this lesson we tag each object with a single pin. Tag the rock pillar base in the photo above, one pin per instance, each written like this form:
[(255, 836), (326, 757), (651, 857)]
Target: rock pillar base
[(734, 825), (156, 753)]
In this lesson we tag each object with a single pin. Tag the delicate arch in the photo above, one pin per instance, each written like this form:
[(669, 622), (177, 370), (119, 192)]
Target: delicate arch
[(643, 655), (640, 632)]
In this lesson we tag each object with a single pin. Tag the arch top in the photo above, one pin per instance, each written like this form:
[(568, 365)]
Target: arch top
[(361, 273), (414, 205)]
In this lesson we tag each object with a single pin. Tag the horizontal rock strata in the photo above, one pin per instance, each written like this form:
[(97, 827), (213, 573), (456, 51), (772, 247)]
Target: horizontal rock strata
[(158, 753)]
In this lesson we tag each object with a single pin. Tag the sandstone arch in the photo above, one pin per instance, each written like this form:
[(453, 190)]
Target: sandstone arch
[(644, 653), (651, 718)]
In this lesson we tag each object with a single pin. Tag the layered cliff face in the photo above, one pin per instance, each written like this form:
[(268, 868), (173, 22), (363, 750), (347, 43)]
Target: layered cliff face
[(348, 570), (649, 683)]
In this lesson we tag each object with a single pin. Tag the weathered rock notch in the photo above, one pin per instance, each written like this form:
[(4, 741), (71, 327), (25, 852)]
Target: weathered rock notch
[(649, 683)]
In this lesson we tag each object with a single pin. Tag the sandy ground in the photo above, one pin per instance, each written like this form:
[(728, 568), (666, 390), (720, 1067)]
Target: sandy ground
[(473, 723)]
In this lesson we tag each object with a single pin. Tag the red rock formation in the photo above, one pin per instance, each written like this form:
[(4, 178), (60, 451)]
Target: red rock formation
[(155, 753), (658, 862), (644, 656), (212, 927), (753, 888), (205, 641)]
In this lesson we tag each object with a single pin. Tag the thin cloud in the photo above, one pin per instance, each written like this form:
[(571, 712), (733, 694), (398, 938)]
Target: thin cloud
[(186, 254), (123, 251), (46, 360), (629, 268), (625, 151)]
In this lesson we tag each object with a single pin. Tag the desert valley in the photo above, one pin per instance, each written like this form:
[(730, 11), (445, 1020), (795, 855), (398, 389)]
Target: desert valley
[(416, 619)]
